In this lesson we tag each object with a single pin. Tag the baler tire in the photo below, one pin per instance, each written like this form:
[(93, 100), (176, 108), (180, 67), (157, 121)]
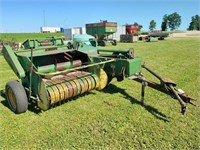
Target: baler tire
[(69, 45), (114, 43), (16, 97), (103, 43), (109, 78)]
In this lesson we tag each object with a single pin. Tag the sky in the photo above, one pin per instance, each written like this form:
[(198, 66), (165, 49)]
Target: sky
[(28, 16)]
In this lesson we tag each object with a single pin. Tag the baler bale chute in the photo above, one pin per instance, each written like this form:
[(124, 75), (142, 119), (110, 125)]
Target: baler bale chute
[(51, 76), (101, 31)]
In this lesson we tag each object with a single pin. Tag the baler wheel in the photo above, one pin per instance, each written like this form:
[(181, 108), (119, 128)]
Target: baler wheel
[(109, 78), (114, 43), (16, 97), (102, 43)]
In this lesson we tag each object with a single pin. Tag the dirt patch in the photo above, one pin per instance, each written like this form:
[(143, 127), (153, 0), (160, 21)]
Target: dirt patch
[(187, 34)]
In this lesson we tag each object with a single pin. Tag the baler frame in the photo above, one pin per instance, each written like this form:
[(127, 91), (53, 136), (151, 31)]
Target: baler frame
[(49, 76)]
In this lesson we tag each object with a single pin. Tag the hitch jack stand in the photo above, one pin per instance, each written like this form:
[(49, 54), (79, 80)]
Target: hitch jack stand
[(144, 84)]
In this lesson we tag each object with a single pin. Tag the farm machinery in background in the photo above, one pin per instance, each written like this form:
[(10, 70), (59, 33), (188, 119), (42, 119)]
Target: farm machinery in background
[(101, 31), (84, 41), (43, 43), (131, 33), (51, 73), (35, 43), (155, 36)]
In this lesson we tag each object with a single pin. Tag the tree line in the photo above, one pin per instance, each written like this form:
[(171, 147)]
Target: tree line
[(173, 22)]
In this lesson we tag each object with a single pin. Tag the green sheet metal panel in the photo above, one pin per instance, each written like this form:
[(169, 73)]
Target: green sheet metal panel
[(101, 29), (13, 61), (133, 66), (110, 29), (30, 43)]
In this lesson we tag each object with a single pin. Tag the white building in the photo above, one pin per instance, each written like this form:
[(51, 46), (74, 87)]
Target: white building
[(120, 30), (68, 33), (50, 29)]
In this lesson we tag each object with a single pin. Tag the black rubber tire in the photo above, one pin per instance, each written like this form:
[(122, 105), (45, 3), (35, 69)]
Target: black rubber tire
[(102, 43), (114, 43), (15, 93), (69, 45), (109, 78)]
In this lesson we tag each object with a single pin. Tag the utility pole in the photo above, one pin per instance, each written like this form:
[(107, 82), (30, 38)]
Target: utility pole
[(44, 18)]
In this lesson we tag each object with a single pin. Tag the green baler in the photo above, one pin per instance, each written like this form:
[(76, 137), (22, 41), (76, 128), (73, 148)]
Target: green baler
[(51, 76), (101, 31)]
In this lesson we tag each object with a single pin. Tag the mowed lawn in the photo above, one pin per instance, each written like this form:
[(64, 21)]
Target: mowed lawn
[(21, 37), (114, 117)]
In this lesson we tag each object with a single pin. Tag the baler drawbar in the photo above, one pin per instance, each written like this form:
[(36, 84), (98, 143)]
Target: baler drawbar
[(166, 86)]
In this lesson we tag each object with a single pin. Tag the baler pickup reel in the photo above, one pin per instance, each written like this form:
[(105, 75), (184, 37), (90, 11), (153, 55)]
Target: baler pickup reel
[(166, 86)]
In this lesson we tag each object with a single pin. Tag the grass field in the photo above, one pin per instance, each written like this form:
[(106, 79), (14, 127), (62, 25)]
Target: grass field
[(21, 37), (114, 117)]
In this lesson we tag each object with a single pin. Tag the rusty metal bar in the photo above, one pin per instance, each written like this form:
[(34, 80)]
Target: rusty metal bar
[(152, 72), (166, 86), (47, 75), (182, 103), (186, 98)]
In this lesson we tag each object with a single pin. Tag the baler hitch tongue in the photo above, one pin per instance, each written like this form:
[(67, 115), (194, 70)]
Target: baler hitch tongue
[(166, 86)]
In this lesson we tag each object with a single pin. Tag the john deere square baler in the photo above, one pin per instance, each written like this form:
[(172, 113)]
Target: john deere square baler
[(51, 75)]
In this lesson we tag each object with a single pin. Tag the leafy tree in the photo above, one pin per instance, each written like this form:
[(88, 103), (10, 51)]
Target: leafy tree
[(136, 24), (152, 25), (164, 23), (195, 23), (174, 21), (140, 26)]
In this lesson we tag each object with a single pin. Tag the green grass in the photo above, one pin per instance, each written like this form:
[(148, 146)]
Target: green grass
[(21, 37), (114, 118)]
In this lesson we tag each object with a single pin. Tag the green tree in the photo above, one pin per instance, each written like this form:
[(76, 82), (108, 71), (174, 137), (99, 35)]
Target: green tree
[(195, 23), (140, 26), (164, 23), (174, 21), (136, 24), (152, 25)]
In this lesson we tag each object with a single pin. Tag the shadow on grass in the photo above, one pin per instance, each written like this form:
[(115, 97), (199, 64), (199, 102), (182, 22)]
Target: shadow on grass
[(111, 88), (31, 107)]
